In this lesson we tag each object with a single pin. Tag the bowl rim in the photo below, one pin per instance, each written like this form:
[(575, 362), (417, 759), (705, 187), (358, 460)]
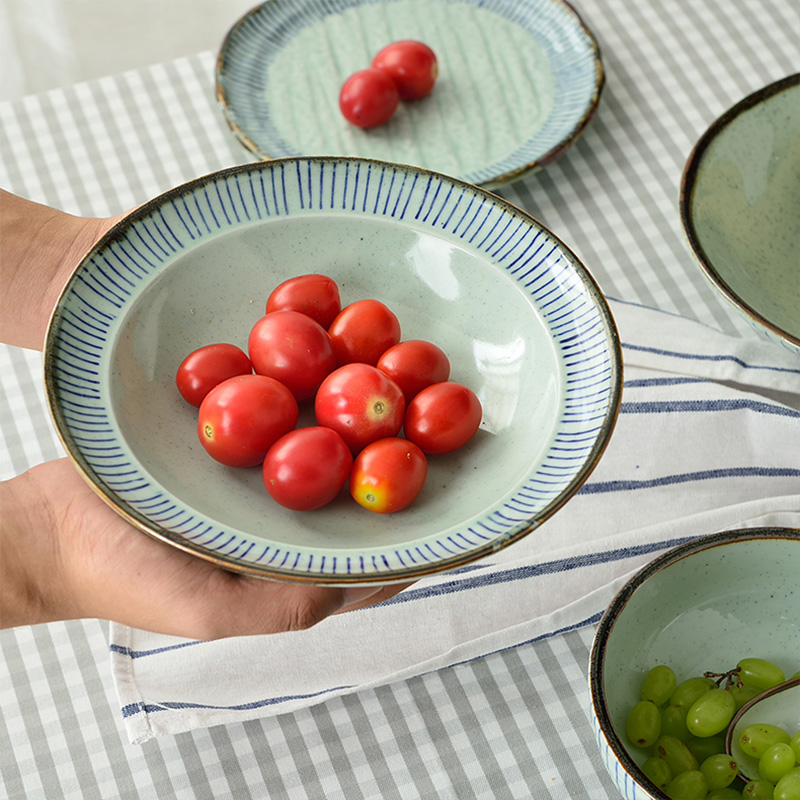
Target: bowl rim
[(607, 622), (151, 528), (688, 184), (503, 178)]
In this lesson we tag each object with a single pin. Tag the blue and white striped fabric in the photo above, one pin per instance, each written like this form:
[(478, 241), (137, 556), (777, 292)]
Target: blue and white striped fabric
[(707, 440)]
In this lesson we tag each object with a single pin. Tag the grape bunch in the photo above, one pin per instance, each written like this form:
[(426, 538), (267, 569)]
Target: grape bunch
[(682, 727)]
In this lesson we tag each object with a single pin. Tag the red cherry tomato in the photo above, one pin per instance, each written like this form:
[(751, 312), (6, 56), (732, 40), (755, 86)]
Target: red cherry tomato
[(307, 467), (315, 295), (415, 364), (292, 348), (368, 98), (361, 404), (363, 332), (208, 366), (240, 419), (411, 65), (388, 475), (443, 417)]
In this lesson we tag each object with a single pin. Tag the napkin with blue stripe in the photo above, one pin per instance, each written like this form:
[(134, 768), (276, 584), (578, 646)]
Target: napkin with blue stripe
[(708, 439)]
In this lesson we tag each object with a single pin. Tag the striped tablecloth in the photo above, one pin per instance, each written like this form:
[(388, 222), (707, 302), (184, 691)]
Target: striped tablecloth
[(511, 725)]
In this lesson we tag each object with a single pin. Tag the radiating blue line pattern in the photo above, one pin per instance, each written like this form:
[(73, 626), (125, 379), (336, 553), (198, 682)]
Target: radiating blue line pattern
[(111, 278), (254, 44)]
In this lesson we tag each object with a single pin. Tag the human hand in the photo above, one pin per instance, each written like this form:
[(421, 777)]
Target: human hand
[(68, 555), (64, 553)]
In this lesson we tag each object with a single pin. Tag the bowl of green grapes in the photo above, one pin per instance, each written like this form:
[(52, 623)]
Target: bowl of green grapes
[(694, 672)]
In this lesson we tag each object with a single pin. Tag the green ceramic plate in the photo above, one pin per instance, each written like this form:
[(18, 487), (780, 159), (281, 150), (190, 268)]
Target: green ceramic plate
[(518, 82), (521, 320)]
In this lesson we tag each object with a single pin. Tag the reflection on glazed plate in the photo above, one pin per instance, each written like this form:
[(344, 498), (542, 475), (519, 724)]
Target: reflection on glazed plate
[(518, 82), (740, 208), (521, 320)]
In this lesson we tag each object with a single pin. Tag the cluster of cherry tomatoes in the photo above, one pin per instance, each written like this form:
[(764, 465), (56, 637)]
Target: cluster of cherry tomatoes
[(403, 70), (366, 385)]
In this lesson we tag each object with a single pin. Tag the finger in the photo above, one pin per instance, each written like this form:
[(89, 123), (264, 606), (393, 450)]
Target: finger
[(364, 596), (241, 606), (235, 605)]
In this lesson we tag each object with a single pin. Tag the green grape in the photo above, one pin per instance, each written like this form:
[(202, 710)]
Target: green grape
[(659, 684), (658, 771), (777, 760), (760, 673), (720, 770), (788, 787), (742, 694), (679, 757), (758, 790), (690, 690), (687, 721), (690, 785), (706, 746), (644, 724), (755, 739), (710, 713), (673, 722), (794, 742)]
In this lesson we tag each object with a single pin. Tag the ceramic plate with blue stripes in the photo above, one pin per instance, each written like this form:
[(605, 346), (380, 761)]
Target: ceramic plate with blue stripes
[(518, 82), (520, 318)]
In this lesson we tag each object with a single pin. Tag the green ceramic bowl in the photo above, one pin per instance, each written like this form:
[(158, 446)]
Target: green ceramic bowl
[(700, 607), (740, 208)]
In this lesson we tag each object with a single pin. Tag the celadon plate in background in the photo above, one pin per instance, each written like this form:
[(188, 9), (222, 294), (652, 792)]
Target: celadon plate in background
[(522, 322), (740, 208), (518, 82)]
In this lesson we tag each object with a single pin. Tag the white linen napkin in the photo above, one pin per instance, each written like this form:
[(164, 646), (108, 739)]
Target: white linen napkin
[(708, 439)]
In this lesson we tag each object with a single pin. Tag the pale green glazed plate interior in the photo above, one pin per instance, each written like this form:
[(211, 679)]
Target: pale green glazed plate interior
[(218, 291), (741, 207)]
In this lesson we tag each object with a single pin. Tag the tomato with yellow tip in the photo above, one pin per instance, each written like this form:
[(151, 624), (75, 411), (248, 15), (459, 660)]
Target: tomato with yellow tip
[(388, 475)]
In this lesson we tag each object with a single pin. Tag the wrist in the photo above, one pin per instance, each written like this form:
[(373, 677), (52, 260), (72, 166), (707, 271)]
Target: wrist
[(41, 249), (29, 574)]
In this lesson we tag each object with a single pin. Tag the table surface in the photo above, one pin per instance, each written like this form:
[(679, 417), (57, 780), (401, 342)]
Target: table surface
[(514, 724)]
